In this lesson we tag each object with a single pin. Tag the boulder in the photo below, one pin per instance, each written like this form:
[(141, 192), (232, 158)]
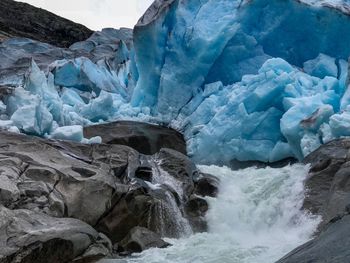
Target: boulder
[(61, 179), (140, 239), (160, 184), (196, 209), (332, 245), (28, 236), (207, 185), (143, 137), (327, 195), (328, 184)]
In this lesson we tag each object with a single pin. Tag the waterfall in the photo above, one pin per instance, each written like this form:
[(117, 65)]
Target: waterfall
[(171, 221), (255, 219)]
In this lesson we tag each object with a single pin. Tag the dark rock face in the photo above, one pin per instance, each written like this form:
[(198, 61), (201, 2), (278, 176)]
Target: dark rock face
[(61, 179), (332, 246), (328, 195), (23, 20), (28, 236), (140, 239), (156, 203), (143, 137), (328, 184), (106, 194), (207, 185)]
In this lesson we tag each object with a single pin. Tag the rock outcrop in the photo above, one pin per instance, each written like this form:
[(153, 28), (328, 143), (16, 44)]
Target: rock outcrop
[(23, 20), (145, 138), (28, 236), (140, 239), (328, 184), (93, 201), (327, 195)]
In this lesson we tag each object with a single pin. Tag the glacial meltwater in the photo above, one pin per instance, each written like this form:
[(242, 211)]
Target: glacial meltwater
[(256, 218)]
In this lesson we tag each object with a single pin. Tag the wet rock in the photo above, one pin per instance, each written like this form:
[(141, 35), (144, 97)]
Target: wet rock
[(129, 211), (102, 248), (196, 209), (140, 239), (161, 187), (328, 184), (113, 188), (197, 206), (327, 195), (179, 167), (207, 185), (143, 137), (154, 209), (144, 173), (27, 236), (332, 245)]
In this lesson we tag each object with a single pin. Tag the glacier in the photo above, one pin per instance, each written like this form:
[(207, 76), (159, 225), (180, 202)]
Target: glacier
[(260, 80)]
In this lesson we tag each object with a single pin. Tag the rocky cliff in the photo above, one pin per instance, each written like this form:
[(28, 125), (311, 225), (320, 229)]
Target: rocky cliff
[(23, 20)]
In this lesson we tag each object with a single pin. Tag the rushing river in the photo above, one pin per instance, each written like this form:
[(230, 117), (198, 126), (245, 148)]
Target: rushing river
[(255, 219)]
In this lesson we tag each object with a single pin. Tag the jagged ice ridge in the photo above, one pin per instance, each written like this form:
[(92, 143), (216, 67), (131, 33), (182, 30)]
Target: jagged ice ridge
[(247, 80)]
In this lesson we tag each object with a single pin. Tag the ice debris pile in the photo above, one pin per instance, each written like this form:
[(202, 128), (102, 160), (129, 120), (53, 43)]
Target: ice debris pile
[(247, 80)]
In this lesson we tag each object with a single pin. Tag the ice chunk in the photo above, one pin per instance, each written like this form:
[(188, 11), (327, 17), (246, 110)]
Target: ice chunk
[(70, 97), (99, 109), (340, 124), (321, 66), (267, 117), (93, 140), (309, 143), (82, 74), (33, 119), (71, 133)]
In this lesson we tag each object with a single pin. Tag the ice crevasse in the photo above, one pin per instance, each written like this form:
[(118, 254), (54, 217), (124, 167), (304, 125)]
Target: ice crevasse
[(243, 80)]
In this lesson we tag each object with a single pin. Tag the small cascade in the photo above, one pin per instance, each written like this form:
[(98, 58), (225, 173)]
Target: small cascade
[(169, 210), (171, 222), (256, 218)]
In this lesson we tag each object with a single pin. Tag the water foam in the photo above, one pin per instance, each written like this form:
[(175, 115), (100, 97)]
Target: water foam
[(255, 219)]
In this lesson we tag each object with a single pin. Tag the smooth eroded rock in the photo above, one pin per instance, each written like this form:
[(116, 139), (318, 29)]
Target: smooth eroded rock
[(27, 236), (140, 239), (328, 184), (331, 246), (143, 137)]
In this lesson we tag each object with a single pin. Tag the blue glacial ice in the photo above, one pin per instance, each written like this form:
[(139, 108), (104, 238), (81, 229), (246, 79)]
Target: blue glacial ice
[(256, 80)]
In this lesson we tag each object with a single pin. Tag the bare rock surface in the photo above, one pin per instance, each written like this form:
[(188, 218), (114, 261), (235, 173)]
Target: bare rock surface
[(143, 137), (23, 20), (327, 195), (86, 200)]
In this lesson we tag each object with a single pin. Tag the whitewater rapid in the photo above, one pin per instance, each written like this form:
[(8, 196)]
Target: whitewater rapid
[(255, 219)]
